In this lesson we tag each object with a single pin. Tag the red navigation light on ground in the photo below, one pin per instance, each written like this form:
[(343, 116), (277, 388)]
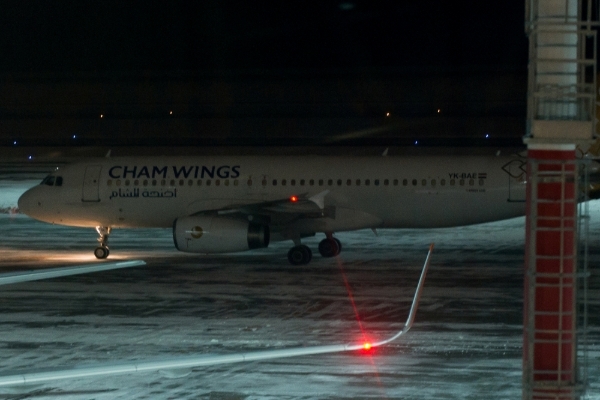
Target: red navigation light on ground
[(294, 199)]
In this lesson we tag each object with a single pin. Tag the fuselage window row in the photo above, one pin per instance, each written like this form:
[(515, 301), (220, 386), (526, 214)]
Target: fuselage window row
[(283, 182)]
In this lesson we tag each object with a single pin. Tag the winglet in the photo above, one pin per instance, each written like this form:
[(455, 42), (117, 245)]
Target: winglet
[(319, 199), (415, 303)]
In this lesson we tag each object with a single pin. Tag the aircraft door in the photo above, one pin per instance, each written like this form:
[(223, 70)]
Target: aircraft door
[(91, 183), (516, 171)]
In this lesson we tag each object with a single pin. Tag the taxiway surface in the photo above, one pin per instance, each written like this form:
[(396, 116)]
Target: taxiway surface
[(466, 341)]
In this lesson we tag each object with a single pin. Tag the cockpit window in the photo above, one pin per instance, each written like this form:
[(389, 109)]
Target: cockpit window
[(52, 180), (49, 180)]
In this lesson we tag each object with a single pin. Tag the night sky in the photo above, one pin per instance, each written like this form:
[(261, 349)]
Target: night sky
[(217, 72)]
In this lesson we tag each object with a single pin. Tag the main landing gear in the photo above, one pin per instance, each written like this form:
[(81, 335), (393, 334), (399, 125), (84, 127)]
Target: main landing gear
[(102, 251), (301, 254)]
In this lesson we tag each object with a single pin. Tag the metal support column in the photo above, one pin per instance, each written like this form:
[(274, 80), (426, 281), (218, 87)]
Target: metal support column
[(560, 116)]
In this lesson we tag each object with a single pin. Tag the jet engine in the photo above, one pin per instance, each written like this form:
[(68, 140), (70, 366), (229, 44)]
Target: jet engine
[(213, 234)]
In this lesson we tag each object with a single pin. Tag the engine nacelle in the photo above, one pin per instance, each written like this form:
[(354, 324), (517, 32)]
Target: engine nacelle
[(212, 234)]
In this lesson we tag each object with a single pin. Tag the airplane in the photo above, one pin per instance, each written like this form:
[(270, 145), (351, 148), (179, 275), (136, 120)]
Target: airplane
[(221, 204)]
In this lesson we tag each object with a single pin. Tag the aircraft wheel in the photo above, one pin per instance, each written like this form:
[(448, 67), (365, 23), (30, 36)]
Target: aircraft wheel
[(101, 252), (329, 247), (299, 255), (339, 245)]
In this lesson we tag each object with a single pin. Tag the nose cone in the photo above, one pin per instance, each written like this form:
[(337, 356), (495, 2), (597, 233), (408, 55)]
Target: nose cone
[(27, 202)]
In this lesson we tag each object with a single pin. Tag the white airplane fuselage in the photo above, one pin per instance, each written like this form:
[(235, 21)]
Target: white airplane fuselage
[(354, 192)]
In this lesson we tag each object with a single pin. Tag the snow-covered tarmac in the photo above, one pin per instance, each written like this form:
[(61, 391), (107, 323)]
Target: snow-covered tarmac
[(466, 342)]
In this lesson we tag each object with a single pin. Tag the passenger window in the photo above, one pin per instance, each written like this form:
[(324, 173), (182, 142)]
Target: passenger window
[(462, 182), (235, 182), (217, 182), (349, 182), (414, 182), (249, 182), (118, 182), (443, 182), (376, 182), (481, 181), (424, 182), (293, 182), (274, 182), (301, 182), (404, 182), (172, 182), (452, 182), (163, 182), (471, 182), (395, 182), (190, 183), (330, 182), (145, 182), (226, 182), (358, 182), (339, 182), (181, 182), (283, 182), (264, 182), (433, 182), (320, 182), (127, 182), (311, 182), (208, 182), (109, 182), (367, 182), (386, 182), (199, 182)]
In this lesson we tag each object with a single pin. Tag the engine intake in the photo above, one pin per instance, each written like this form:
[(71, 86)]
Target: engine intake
[(212, 234)]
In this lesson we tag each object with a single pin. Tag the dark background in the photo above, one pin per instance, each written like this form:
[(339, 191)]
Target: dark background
[(233, 73)]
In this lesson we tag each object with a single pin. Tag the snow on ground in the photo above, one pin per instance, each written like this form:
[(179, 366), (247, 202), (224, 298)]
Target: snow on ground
[(466, 342)]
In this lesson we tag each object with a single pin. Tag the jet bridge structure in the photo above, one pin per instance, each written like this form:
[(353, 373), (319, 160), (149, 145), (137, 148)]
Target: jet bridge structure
[(561, 112)]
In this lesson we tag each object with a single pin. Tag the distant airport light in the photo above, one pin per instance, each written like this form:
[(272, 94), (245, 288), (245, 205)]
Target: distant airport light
[(170, 112), (416, 142), (294, 199), (487, 135), (15, 142), (74, 136), (101, 115), (30, 157), (387, 114), (439, 110)]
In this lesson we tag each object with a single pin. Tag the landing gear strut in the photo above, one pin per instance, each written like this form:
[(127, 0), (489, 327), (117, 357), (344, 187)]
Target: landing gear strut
[(102, 251)]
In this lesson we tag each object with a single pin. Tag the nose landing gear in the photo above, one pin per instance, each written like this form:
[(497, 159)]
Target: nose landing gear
[(102, 251)]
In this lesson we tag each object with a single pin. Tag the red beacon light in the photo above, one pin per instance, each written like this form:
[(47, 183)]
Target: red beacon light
[(293, 199), (367, 346)]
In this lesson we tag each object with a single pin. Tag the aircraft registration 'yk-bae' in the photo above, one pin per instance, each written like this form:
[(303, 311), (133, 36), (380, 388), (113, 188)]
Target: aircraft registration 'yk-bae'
[(220, 204)]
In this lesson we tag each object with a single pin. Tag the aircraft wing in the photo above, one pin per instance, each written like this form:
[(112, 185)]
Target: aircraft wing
[(23, 378), (297, 205), (26, 276)]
